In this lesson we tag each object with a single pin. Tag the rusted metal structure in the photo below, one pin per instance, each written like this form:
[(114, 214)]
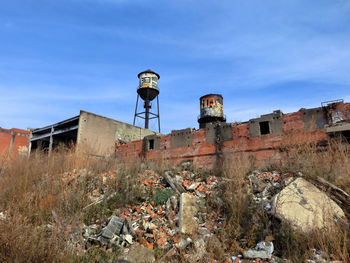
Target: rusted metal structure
[(148, 91), (211, 110)]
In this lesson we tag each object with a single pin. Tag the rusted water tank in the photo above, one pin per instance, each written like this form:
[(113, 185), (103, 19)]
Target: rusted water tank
[(211, 109), (148, 85), (148, 91)]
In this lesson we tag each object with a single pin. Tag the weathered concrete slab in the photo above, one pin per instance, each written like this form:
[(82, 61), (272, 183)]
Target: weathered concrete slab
[(305, 206), (339, 127), (263, 250), (188, 212)]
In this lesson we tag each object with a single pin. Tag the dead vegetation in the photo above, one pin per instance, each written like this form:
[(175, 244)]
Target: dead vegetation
[(44, 204)]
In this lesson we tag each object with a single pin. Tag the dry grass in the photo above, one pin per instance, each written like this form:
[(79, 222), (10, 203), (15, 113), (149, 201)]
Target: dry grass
[(247, 224), (30, 189)]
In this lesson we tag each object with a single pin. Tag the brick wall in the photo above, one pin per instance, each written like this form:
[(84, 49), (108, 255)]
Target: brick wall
[(19, 138), (292, 129)]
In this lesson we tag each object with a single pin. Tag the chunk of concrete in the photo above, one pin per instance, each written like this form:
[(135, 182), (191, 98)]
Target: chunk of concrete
[(137, 254), (188, 212), (306, 207), (114, 227), (263, 250)]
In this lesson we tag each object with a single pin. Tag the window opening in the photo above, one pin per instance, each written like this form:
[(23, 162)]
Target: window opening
[(151, 144), (264, 127)]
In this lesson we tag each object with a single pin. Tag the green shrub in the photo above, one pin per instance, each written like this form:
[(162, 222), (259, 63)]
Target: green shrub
[(161, 195)]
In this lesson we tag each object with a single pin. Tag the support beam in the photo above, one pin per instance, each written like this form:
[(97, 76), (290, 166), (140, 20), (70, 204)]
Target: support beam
[(51, 140), (30, 144), (47, 135), (13, 136)]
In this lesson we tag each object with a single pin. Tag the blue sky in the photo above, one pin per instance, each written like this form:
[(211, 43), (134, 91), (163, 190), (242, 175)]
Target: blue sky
[(57, 57)]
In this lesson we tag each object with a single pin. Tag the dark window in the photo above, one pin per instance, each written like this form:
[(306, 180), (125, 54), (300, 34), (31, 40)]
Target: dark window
[(151, 144), (264, 127)]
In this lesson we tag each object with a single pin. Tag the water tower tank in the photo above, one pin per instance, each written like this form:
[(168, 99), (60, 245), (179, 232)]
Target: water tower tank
[(211, 109), (148, 85), (148, 91)]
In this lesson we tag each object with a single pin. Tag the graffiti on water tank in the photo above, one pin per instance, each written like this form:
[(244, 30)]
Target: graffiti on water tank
[(211, 107)]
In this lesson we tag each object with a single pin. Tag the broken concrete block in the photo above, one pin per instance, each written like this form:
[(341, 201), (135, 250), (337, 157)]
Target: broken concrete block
[(90, 231), (183, 243), (305, 206), (114, 227), (128, 238), (263, 250), (188, 212)]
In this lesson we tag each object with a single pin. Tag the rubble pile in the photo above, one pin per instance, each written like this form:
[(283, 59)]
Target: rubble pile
[(175, 207), (173, 215), (264, 185)]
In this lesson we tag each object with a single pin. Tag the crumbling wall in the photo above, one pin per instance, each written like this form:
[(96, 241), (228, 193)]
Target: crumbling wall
[(218, 132), (269, 124), (151, 142), (98, 134), (314, 119), (181, 138), (201, 146)]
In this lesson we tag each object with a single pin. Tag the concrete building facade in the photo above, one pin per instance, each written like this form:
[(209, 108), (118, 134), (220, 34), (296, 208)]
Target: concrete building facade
[(95, 134)]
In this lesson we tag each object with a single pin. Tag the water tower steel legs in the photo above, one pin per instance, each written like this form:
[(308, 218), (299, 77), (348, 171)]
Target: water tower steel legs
[(147, 107), (147, 113), (137, 101), (158, 114)]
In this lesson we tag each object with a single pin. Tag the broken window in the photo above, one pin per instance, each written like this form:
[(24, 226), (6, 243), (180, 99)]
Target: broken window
[(151, 144), (264, 127)]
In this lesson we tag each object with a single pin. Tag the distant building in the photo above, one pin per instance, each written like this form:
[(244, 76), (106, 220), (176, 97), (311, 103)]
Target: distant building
[(14, 142), (95, 134)]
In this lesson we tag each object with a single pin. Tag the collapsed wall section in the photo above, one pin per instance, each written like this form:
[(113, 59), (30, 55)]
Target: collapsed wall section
[(269, 124)]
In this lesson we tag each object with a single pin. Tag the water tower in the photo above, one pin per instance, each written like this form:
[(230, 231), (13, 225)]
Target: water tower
[(211, 109), (148, 91)]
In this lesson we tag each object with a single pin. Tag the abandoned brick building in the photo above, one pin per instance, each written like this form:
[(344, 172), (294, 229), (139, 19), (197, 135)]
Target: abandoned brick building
[(261, 138)]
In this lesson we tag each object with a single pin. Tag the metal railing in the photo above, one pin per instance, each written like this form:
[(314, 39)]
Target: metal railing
[(326, 103)]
